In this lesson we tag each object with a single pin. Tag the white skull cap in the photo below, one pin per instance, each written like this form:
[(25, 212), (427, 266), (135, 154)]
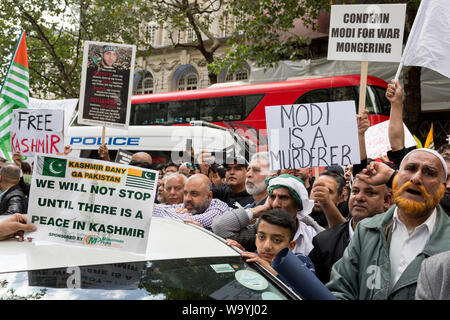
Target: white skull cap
[(433, 152)]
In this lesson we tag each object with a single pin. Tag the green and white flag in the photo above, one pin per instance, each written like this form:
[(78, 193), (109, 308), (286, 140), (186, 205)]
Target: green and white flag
[(14, 93), (54, 167)]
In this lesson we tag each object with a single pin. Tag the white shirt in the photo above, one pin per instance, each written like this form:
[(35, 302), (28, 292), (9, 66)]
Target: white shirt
[(350, 229), (405, 247)]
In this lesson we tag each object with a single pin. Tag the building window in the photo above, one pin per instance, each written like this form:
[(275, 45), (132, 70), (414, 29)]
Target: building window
[(241, 74), (238, 75), (145, 84), (225, 24), (188, 82), (151, 34), (190, 35)]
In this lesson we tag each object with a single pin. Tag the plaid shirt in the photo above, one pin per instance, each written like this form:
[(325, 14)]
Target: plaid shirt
[(215, 208)]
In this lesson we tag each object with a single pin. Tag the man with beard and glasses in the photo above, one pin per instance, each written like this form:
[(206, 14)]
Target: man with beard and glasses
[(383, 259), (257, 172), (198, 205)]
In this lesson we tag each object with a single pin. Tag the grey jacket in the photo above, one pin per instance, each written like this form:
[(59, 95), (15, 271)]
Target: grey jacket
[(364, 270), (434, 278)]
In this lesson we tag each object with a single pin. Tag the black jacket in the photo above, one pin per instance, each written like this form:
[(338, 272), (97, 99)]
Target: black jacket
[(329, 246), (13, 200), (224, 193)]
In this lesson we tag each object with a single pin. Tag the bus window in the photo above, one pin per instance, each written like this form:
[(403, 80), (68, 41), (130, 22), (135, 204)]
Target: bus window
[(230, 108), (142, 114), (316, 95), (384, 105), (376, 102), (342, 94), (182, 111), (250, 103)]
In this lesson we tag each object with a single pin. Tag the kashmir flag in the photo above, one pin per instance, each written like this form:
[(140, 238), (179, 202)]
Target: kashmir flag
[(428, 43), (14, 93), (140, 179), (429, 143)]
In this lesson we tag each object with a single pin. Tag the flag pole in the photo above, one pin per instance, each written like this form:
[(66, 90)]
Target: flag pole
[(400, 66)]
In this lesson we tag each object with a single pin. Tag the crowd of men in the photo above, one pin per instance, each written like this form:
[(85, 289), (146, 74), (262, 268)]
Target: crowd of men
[(377, 230)]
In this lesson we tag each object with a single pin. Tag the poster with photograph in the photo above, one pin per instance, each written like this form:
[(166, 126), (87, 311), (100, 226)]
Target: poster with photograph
[(106, 84)]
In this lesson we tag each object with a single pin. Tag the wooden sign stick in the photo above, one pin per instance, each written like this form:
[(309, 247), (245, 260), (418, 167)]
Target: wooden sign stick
[(103, 134), (363, 86)]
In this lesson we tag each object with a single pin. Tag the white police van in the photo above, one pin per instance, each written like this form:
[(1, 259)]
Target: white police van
[(164, 143)]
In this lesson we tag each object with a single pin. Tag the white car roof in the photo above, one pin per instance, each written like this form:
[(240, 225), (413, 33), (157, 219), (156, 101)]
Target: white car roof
[(169, 239)]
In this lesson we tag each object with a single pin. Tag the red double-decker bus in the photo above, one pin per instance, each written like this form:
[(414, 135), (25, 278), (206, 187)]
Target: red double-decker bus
[(243, 106)]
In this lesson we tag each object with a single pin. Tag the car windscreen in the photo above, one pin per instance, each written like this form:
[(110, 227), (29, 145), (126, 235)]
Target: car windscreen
[(218, 278)]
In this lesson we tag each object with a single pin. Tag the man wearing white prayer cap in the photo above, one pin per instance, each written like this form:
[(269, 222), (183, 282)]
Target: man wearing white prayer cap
[(385, 254), (286, 192)]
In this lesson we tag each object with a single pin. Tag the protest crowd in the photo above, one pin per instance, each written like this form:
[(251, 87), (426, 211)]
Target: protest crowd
[(375, 230)]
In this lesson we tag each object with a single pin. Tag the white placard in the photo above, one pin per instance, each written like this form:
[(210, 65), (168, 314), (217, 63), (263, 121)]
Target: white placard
[(377, 140), (91, 203), (67, 105), (312, 135), (366, 32), (37, 131)]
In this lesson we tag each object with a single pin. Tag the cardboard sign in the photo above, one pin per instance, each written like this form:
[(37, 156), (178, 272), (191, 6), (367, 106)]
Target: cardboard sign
[(366, 32), (91, 203), (106, 84), (377, 140), (123, 156), (37, 131), (312, 135), (67, 105)]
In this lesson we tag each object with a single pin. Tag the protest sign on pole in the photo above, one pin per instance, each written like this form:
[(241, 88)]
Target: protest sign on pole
[(37, 131), (312, 135), (123, 156), (366, 33), (91, 203), (106, 84)]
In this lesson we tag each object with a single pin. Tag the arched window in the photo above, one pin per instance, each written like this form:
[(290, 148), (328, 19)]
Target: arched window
[(145, 83), (241, 74), (186, 78)]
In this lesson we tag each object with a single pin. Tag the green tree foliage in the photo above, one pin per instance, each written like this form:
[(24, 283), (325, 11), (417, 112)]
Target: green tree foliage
[(56, 31), (264, 32)]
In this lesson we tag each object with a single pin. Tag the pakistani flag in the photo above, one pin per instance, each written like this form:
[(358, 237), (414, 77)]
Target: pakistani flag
[(53, 167), (140, 179), (14, 93)]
